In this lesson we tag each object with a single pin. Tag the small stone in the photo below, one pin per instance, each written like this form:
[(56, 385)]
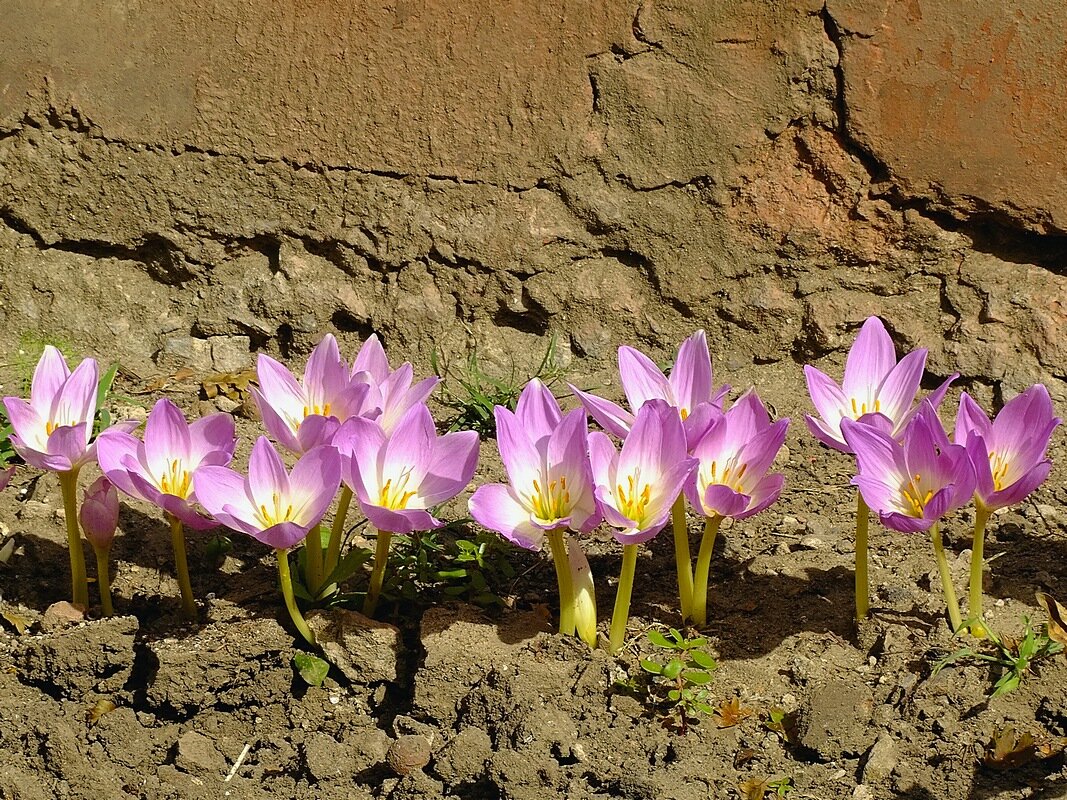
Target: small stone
[(197, 754), (230, 353), (811, 543), (881, 760), (364, 649), (790, 524), (407, 754), (185, 351), (60, 615), (226, 404)]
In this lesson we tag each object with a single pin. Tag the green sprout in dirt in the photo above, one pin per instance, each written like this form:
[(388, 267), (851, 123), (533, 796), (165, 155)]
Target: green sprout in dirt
[(1015, 658), (684, 676), (479, 567), (471, 394)]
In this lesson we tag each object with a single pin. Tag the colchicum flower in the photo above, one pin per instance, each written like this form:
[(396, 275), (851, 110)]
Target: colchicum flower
[(398, 477), (912, 485), (271, 505), (303, 415), (637, 488), (551, 491), (53, 431), (690, 390), (160, 469), (99, 516), (878, 390), (732, 479), (390, 391), (1009, 460)]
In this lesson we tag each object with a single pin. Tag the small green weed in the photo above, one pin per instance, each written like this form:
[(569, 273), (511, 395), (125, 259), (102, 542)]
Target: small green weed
[(471, 393), (1016, 658), (683, 677)]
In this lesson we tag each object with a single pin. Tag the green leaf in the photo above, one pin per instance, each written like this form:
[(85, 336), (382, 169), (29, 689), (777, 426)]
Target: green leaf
[(104, 386), (674, 695), (355, 558), (697, 677), (312, 669), (660, 640), (651, 666), (702, 659), (673, 669)]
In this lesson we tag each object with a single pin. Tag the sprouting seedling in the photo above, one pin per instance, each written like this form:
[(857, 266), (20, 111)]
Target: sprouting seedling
[(684, 675), (1015, 658), (471, 393), (477, 570)]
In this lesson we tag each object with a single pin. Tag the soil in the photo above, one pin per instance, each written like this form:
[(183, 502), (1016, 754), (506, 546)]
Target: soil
[(495, 704)]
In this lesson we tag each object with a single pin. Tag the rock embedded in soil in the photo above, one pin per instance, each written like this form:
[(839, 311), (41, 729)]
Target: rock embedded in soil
[(881, 760), (90, 657), (363, 649), (198, 755), (408, 754), (465, 758), (834, 722)]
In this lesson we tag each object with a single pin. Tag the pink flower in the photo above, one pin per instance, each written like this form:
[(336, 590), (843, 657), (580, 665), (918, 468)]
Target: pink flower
[(389, 391), (99, 513), (1008, 454), (160, 469), (877, 389), (398, 477), (274, 506)]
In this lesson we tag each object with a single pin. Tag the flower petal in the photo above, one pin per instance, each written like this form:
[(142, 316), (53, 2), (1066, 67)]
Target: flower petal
[(166, 438), (371, 359), (212, 440), (116, 453), (611, 417), (70, 444), (76, 400), (278, 427), (27, 424), (409, 449), (642, 380), (359, 441), (403, 520), (523, 462), (869, 361), (280, 390), (720, 499), (219, 488), (970, 417), (495, 506), (268, 483), (764, 494), (538, 410), (313, 484), (455, 457), (49, 376), (828, 400), (326, 375), (896, 394), (282, 536), (691, 377)]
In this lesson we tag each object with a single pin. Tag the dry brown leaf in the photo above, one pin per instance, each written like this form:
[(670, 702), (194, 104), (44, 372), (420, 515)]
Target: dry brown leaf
[(99, 709), (1057, 617), (753, 789), (731, 713), (163, 381), (18, 621), (1008, 749), (233, 385), (743, 756)]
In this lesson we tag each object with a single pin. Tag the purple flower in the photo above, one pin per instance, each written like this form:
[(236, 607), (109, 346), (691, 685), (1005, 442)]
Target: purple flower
[(52, 431), (1008, 454), (5, 477), (389, 391), (303, 415), (911, 484), (689, 389), (877, 389), (734, 456), (99, 513), (271, 505), (160, 469), (637, 486), (397, 477), (551, 481)]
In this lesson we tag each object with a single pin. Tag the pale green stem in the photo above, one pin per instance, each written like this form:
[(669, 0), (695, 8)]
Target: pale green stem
[(68, 482), (337, 531), (290, 600), (683, 559), (949, 590), (313, 561), (621, 614), (700, 586), (181, 567), (103, 579), (974, 604), (862, 584), (558, 548), (381, 558)]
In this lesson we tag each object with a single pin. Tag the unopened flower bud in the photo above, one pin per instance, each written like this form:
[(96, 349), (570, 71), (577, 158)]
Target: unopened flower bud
[(99, 513)]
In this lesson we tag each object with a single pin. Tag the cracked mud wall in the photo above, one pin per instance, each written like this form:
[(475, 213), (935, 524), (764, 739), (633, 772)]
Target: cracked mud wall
[(180, 185)]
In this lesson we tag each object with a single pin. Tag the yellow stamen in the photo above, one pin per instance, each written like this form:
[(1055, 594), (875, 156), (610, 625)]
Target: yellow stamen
[(999, 467), (268, 518), (176, 481), (321, 411), (551, 502), (634, 498), (914, 497), (395, 498), (49, 427)]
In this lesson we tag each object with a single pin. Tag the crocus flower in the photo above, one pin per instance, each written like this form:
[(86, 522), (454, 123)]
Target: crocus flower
[(1009, 460), (1009, 453), (99, 513), (912, 484), (876, 389), (734, 456), (397, 478), (302, 415), (271, 505), (52, 430), (551, 491), (389, 391), (160, 469), (637, 486), (5, 477), (689, 389)]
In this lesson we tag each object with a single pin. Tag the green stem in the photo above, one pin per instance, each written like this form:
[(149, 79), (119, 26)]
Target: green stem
[(862, 582), (313, 546), (290, 601), (974, 603), (181, 567), (103, 579), (558, 548), (946, 580), (621, 614), (337, 531), (700, 587), (683, 559), (381, 558), (68, 482)]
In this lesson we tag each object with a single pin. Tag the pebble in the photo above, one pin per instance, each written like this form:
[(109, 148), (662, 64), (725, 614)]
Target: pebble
[(407, 754), (811, 542)]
